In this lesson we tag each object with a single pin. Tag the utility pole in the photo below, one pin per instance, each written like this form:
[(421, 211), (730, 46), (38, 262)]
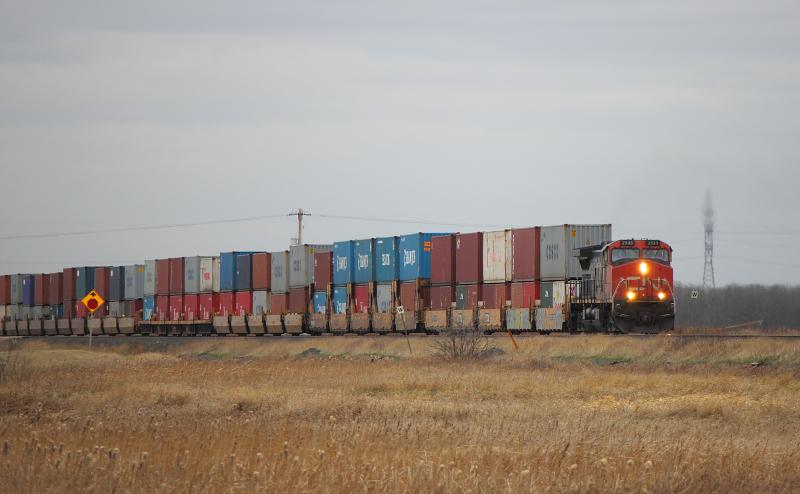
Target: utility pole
[(708, 221), (299, 213)]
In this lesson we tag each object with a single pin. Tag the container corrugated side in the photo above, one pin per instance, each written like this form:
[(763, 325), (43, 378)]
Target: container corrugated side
[(384, 297), (5, 290), (162, 278), (557, 245), (343, 268), (55, 294), (68, 284), (134, 281), (149, 280), (364, 265), (15, 289), (260, 302), (385, 259), (414, 256), (28, 290), (497, 256), (323, 269), (443, 260), (279, 278), (301, 263), (340, 300), (262, 271), (469, 262), (320, 302), (525, 254), (116, 283), (244, 272), (191, 274)]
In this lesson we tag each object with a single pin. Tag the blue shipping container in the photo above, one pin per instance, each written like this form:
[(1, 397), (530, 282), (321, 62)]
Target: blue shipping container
[(28, 290), (339, 300), (414, 256), (362, 255), (244, 272), (227, 270), (320, 302), (343, 271), (148, 307), (84, 281), (385, 259)]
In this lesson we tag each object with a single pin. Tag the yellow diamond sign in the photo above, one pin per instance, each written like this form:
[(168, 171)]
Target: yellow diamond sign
[(93, 301)]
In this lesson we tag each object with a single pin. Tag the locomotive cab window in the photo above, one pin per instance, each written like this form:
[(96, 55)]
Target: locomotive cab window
[(658, 255), (618, 256)]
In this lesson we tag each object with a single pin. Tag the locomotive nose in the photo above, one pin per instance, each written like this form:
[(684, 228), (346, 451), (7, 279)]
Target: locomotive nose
[(644, 268)]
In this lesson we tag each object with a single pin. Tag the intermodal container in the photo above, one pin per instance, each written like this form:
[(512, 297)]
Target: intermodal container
[(244, 273), (27, 312), (497, 256), (343, 265), (443, 260), (80, 309), (149, 282), (28, 290), (495, 295), (134, 307), (225, 304), (55, 293), (525, 254), (148, 308), (384, 297), (5, 289), (134, 281), (414, 256), (279, 279), (385, 259), (260, 302), (162, 277), (524, 294), (243, 303), (41, 289), (57, 311), (101, 277), (190, 307), (467, 296), (279, 304), (162, 308), (262, 271), (216, 267), (469, 258), (207, 304), (68, 284), (364, 265), (84, 282), (340, 301), (320, 302), (299, 300), (115, 309), (414, 297), (191, 274), (116, 283), (15, 289), (442, 297), (227, 270), (69, 309), (558, 245), (175, 307), (301, 263), (323, 269), (176, 276), (361, 299)]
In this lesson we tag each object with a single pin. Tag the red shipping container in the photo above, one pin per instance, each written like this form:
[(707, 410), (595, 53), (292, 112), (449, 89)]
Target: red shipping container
[(190, 307), (162, 308), (279, 304), (68, 284), (323, 270), (176, 276), (442, 297), (443, 260), (361, 298), (467, 296), (469, 257), (298, 300), (175, 307), (80, 309), (101, 276), (525, 254), (262, 270), (410, 298), (495, 295), (134, 308), (224, 304), (243, 303), (5, 289), (41, 289), (524, 295), (56, 284), (69, 309), (162, 276), (207, 305)]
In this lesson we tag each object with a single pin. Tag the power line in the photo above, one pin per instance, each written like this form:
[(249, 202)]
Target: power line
[(406, 221)]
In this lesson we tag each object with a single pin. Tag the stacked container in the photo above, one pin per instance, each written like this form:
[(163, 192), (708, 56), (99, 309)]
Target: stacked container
[(443, 271), (343, 279), (279, 283), (261, 281)]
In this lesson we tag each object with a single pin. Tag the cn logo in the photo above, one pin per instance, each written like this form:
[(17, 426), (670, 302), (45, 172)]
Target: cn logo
[(409, 257), (386, 260), (341, 263), (363, 261)]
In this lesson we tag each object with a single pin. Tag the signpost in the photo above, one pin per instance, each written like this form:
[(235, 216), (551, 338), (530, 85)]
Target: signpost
[(92, 301)]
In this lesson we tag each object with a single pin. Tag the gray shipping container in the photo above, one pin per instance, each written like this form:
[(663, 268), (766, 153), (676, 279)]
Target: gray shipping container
[(134, 281), (149, 278), (261, 301), (279, 282), (40, 312), (13, 311), (383, 294), (301, 263), (16, 288), (557, 243), (26, 312), (214, 273), (191, 274), (115, 309)]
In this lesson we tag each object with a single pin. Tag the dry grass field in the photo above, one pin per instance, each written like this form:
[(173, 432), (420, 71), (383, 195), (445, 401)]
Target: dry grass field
[(350, 414)]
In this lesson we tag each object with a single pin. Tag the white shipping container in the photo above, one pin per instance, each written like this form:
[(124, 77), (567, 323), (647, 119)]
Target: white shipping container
[(261, 302), (215, 274), (208, 278), (149, 278), (558, 244), (497, 256)]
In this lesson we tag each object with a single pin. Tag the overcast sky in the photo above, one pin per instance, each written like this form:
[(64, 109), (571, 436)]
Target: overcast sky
[(124, 114)]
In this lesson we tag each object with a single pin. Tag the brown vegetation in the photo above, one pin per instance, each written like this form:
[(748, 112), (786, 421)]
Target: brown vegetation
[(562, 414)]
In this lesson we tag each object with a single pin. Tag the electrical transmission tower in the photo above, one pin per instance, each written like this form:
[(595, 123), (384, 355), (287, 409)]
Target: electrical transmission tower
[(299, 213), (708, 221)]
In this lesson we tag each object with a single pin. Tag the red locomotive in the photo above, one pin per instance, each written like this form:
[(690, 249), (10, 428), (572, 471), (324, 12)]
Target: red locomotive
[(626, 287)]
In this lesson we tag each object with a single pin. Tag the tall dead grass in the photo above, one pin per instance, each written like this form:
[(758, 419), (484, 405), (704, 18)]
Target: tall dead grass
[(562, 414)]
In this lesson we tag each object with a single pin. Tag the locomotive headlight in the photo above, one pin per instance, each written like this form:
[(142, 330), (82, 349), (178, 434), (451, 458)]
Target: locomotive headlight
[(643, 268), (631, 295), (662, 295)]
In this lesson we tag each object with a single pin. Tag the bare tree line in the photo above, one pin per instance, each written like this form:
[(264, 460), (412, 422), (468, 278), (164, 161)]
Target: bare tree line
[(777, 306)]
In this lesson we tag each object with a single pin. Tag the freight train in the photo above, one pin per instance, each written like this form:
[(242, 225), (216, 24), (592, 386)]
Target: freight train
[(570, 278)]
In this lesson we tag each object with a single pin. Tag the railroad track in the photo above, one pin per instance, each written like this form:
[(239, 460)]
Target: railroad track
[(267, 337)]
